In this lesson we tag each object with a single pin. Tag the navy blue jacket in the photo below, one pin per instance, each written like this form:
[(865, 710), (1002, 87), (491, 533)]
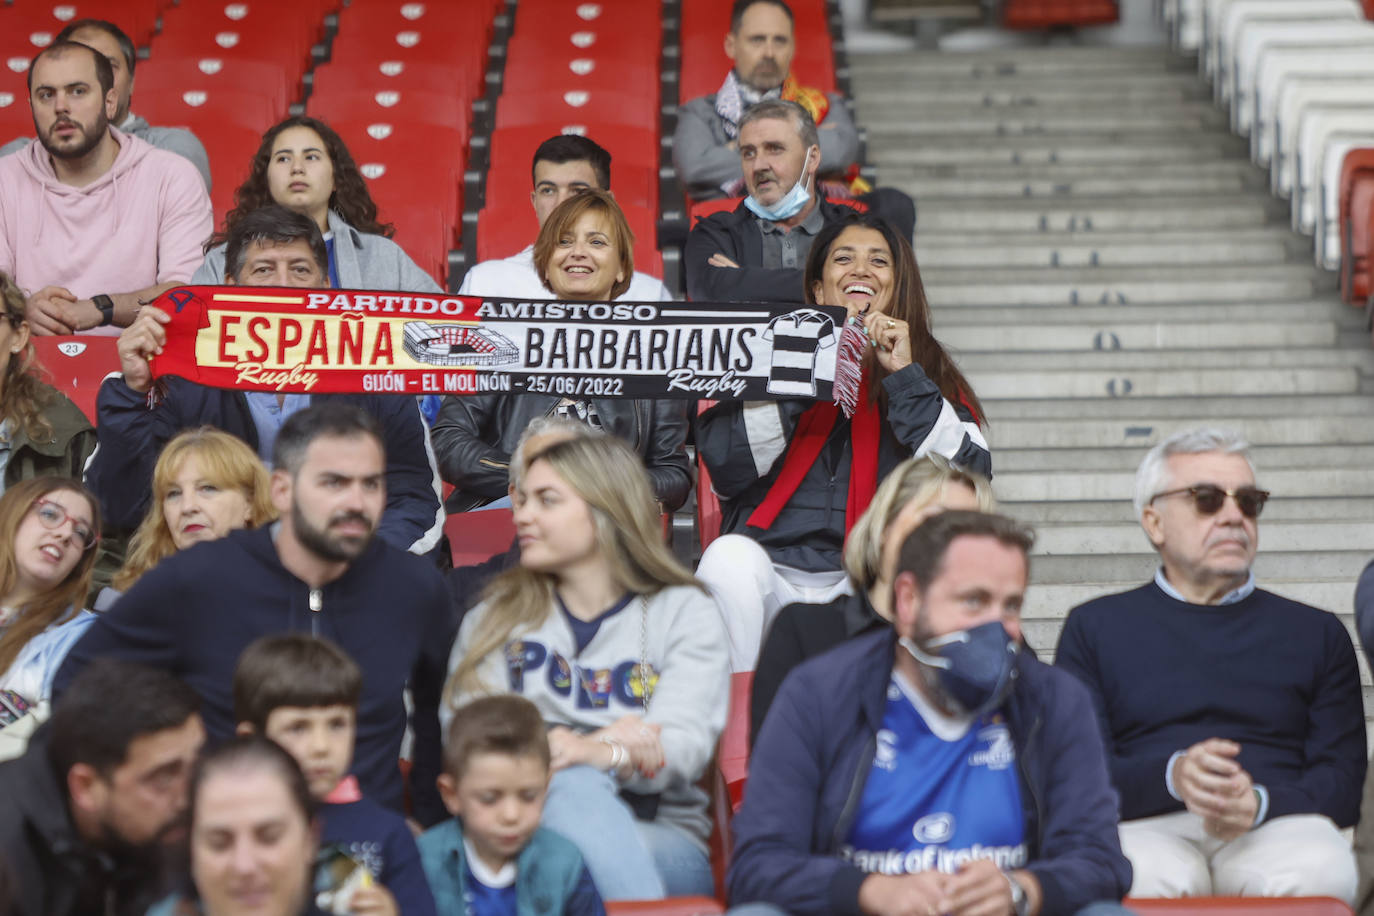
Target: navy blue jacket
[(131, 437), (196, 611), (807, 774), (1277, 677)]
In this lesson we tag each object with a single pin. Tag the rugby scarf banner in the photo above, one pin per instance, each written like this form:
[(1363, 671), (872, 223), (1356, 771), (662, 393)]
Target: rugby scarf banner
[(317, 341)]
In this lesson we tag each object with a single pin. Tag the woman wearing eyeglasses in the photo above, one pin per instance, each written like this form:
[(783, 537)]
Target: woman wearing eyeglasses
[(41, 432), (49, 526)]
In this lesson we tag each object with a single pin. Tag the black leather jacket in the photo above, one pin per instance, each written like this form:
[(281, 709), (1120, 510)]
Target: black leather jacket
[(474, 437)]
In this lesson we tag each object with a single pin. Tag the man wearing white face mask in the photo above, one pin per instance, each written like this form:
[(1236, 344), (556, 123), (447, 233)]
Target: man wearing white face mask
[(932, 768), (756, 252)]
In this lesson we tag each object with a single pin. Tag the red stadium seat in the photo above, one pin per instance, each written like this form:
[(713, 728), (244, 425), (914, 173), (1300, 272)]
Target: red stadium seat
[(398, 188), (429, 158), (672, 906), (534, 72), (708, 504), (137, 18), (1044, 14), (734, 741), (1239, 906), (627, 144), (16, 119), (575, 107), (193, 103), (423, 235), (1357, 206), (477, 536), (264, 78), (77, 366), (416, 106), (420, 76)]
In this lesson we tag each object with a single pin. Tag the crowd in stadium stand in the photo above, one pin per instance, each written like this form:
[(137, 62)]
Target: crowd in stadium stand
[(237, 675)]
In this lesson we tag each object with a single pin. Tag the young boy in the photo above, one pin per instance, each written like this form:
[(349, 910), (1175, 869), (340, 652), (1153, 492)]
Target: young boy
[(302, 692), (493, 858)]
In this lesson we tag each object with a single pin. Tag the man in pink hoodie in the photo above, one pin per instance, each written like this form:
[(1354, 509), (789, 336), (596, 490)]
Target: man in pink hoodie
[(93, 221)]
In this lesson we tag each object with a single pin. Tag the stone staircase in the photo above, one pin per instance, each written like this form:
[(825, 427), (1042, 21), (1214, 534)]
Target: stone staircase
[(1109, 267)]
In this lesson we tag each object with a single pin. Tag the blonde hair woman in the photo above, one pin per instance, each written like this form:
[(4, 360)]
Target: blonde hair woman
[(624, 654), (206, 483), (914, 491)]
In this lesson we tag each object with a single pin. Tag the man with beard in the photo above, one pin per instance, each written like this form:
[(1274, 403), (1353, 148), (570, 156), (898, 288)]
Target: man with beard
[(932, 767), (1232, 716), (319, 569), (110, 40), (93, 221), (87, 813), (706, 142), (271, 246)]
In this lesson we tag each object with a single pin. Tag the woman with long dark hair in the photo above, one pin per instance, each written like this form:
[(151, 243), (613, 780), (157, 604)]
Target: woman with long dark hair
[(305, 166), (41, 432), (794, 475)]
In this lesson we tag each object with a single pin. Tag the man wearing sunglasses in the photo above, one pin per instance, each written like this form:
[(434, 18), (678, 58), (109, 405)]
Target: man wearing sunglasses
[(1232, 716)]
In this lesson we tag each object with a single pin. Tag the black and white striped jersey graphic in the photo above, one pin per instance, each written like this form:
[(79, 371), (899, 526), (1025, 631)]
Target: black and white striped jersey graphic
[(797, 337)]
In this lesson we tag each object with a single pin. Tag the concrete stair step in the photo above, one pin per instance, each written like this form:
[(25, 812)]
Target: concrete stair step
[(1122, 512), (1126, 383), (1319, 457), (1109, 485), (1140, 432), (1143, 148), (1073, 319), (1185, 411), (1060, 171), (1159, 214), (939, 106), (922, 94), (942, 277), (1129, 361), (1108, 255), (1131, 569), (1014, 64), (1156, 336), (931, 189), (1027, 124), (1105, 291)]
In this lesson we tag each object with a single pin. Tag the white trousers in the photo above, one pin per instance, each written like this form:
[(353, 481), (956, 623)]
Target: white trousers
[(751, 590), (1300, 855)]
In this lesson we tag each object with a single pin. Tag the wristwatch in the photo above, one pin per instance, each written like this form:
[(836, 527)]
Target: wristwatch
[(1020, 903), (106, 306)]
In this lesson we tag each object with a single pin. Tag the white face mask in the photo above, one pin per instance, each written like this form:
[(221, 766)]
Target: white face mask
[(792, 203)]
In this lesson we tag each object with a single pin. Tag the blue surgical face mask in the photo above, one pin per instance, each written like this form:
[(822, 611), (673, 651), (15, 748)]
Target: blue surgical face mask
[(792, 203), (975, 668)]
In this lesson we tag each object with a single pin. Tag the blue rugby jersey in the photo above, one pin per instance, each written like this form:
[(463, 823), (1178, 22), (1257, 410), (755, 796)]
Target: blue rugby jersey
[(937, 799)]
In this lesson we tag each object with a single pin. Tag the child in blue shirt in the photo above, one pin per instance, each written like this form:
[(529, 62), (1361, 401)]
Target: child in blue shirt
[(302, 692), (493, 858)]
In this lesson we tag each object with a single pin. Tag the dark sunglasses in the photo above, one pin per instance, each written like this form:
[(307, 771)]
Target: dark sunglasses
[(1208, 498)]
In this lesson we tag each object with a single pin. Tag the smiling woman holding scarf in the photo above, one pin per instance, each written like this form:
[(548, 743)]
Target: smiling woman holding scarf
[(794, 475)]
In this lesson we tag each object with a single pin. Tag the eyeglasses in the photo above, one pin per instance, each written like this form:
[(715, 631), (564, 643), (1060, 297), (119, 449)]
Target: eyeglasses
[(52, 516), (1208, 498)]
